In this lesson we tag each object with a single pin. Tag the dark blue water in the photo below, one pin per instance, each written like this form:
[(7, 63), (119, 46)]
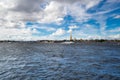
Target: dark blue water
[(56, 61)]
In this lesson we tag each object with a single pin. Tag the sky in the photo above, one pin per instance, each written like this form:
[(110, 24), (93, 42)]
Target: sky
[(56, 19)]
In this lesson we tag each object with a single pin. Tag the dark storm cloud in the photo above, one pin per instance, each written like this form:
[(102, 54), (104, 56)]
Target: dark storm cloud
[(28, 6), (67, 1), (74, 1)]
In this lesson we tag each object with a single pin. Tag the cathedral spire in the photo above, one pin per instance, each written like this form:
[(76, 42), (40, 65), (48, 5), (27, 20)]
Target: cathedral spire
[(71, 36)]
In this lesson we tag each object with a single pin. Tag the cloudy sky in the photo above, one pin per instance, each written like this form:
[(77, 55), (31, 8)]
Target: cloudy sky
[(55, 19)]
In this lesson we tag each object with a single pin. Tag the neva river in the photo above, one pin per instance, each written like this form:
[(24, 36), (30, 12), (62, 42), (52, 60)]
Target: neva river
[(56, 61)]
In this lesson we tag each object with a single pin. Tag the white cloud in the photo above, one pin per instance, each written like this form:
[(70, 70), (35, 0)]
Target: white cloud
[(15, 14), (7, 4), (92, 3), (71, 28), (117, 17), (53, 13), (14, 33), (110, 4), (55, 10), (13, 20), (47, 28), (115, 30), (117, 36), (42, 28), (58, 32)]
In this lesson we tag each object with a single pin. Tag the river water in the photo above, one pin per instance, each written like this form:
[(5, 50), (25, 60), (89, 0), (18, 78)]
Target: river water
[(57, 61)]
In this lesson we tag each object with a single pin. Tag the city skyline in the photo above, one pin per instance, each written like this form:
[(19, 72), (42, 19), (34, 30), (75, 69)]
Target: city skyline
[(56, 19)]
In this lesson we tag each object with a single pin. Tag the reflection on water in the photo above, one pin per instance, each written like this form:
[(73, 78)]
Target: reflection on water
[(55, 61)]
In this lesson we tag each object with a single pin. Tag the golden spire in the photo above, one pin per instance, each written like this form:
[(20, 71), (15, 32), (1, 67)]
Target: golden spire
[(71, 36)]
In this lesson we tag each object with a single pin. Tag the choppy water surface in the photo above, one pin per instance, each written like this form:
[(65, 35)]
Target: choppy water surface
[(55, 61)]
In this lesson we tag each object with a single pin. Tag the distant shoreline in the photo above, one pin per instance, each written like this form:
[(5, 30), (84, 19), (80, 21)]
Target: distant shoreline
[(59, 41)]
